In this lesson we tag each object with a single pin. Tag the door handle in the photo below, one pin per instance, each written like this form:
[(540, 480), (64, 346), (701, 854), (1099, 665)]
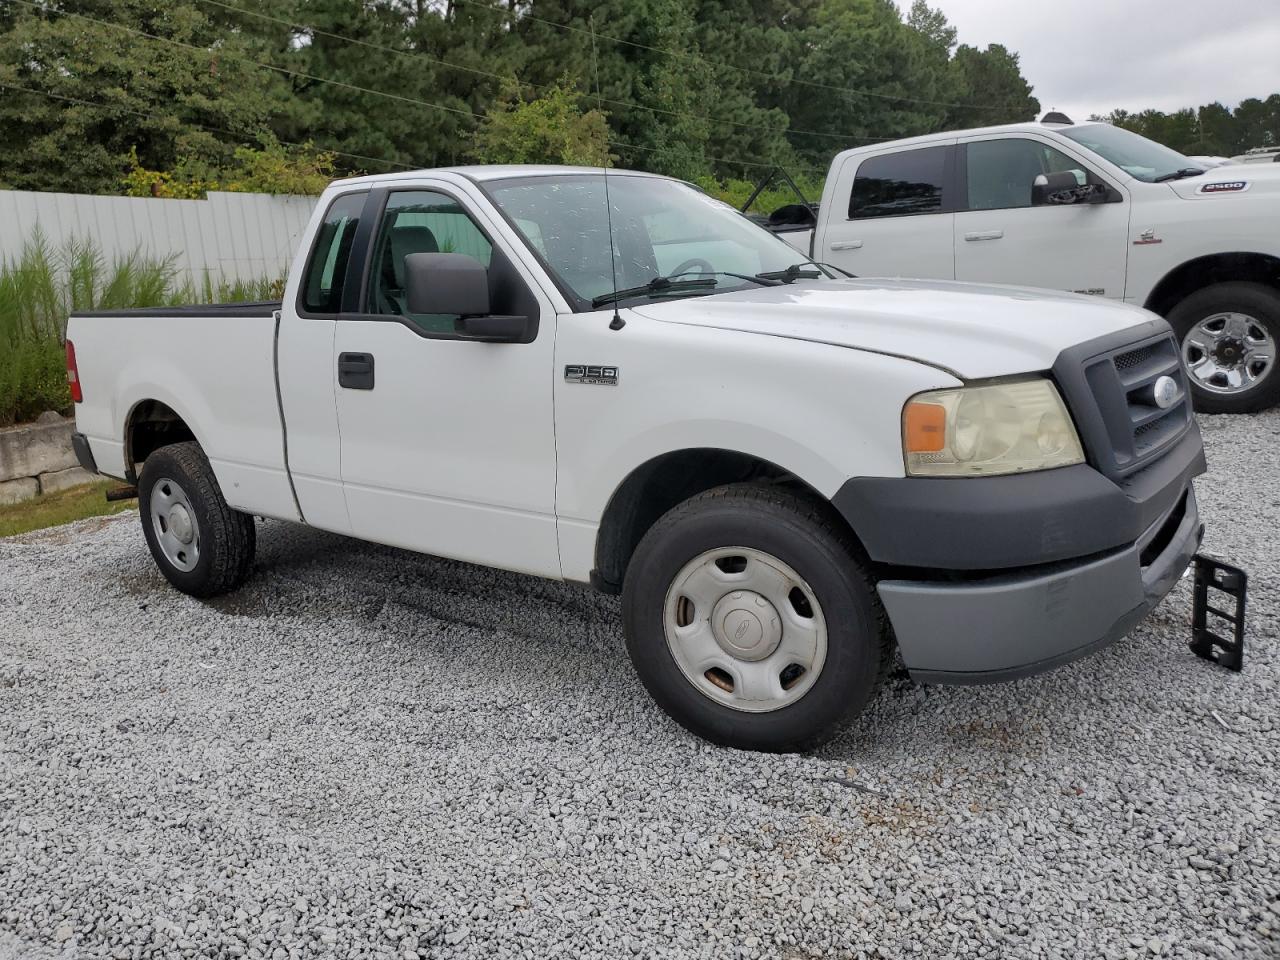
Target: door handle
[(846, 245), (355, 371), (984, 235)]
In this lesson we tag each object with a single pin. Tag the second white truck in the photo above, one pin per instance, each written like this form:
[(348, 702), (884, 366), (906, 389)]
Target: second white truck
[(787, 475), (1085, 207)]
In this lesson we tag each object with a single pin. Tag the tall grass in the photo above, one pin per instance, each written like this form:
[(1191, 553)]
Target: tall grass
[(42, 286)]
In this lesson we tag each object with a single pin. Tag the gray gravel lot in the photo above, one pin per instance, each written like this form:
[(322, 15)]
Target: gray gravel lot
[(367, 752)]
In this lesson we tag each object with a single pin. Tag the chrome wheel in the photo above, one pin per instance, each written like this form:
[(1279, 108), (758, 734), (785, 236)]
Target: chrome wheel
[(173, 520), (1228, 353), (745, 629)]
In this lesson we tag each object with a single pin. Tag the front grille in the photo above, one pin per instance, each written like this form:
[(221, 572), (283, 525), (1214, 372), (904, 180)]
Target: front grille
[(1134, 358), (1122, 383)]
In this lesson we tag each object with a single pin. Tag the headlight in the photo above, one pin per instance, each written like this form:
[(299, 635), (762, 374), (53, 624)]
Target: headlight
[(989, 429)]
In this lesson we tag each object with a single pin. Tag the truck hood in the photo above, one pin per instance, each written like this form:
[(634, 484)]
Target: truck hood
[(1259, 179), (968, 329)]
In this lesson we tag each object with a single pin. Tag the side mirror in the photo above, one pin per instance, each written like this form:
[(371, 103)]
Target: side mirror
[(1049, 189), (453, 283), (446, 283)]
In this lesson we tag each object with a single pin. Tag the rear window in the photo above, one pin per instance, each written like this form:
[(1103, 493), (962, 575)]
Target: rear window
[(899, 184), (327, 269)]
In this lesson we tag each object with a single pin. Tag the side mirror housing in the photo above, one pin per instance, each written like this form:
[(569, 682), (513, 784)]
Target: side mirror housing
[(451, 283), (1050, 189), (446, 283)]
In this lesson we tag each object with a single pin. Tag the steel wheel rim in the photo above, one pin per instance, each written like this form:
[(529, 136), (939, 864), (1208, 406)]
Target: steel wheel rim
[(745, 629), (173, 521), (1228, 353)]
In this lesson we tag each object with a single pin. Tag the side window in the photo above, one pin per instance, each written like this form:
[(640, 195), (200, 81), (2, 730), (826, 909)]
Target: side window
[(899, 184), (326, 272), (419, 221), (1001, 172)]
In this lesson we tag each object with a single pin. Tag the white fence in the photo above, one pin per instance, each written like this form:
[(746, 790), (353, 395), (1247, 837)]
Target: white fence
[(234, 236)]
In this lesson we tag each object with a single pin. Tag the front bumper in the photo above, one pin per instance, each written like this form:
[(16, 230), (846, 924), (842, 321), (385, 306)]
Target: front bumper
[(1015, 624)]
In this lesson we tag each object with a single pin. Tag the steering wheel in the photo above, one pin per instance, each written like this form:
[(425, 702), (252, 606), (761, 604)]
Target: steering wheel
[(688, 266)]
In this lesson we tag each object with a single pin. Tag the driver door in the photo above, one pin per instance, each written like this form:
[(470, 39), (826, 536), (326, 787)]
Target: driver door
[(1001, 238), (447, 443)]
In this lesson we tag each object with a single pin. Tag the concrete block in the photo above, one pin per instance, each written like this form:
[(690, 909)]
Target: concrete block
[(36, 448), (65, 479), (15, 491)]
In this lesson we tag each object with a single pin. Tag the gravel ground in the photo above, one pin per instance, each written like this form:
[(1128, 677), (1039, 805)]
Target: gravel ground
[(367, 752)]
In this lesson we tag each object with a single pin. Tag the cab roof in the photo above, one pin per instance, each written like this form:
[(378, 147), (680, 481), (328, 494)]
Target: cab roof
[(485, 172), (1031, 126)]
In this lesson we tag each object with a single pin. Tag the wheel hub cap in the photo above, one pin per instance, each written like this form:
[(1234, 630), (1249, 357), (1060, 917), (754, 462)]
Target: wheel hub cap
[(745, 629), (173, 523), (746, 625), (180, 524), (1229, 351)]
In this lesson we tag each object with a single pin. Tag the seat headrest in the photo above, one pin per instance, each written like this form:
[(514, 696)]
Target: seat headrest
[(406, 240)]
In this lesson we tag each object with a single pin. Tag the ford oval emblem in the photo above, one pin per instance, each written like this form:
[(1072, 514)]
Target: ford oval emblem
[(1165, 392)]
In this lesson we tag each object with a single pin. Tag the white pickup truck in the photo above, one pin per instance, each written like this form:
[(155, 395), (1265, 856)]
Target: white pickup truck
[(784, 473), (1085, 207)]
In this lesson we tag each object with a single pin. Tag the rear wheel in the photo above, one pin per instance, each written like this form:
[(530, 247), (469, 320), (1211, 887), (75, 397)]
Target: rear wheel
[(1228, 334), (201, 545), (751, 619)]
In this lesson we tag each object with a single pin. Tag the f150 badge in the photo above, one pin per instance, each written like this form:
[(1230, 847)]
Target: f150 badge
[(591, 373)]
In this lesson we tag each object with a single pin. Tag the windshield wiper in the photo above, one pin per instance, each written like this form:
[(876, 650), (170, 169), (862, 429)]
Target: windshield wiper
[(790, 275), (673, 284), (1178, 174), (763, 279), (655, 287)]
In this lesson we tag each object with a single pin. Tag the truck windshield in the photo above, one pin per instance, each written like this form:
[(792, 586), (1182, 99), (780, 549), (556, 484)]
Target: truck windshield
[(661, 229), (1136, 155)]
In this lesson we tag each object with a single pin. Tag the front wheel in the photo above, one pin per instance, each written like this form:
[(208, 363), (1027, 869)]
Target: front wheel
[(1228, 334), (751, 620), (201, 544)]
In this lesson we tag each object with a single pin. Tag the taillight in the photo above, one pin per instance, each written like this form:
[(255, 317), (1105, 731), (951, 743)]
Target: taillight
[(73, 373)]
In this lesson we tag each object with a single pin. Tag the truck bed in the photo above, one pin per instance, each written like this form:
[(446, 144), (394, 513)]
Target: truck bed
[(214, 366)]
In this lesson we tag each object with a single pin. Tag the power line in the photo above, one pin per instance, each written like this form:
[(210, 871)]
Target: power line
[(349, 86), (777, 77), (151, 116), (414, 54)]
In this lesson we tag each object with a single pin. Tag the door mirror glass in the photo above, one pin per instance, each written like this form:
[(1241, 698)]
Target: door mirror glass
[(446, 283)]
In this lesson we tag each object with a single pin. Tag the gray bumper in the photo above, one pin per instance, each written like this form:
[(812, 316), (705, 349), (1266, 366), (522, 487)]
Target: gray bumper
[(1011, 625)]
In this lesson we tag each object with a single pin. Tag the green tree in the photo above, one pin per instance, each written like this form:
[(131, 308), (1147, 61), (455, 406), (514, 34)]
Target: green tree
[(80, 95), (552, 128), (993, 79)]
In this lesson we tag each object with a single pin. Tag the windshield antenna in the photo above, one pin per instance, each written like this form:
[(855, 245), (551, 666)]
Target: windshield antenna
[(617, 323)]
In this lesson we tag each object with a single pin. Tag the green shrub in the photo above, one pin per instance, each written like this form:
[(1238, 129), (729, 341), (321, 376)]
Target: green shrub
[(33, 379), (40, 288)]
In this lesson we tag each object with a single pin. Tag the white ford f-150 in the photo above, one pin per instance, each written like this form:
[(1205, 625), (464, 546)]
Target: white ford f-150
[(784, 473), (1085, 207)]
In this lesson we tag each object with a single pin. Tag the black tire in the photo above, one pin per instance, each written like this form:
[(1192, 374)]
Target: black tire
[(810, 538), (1253, 299), (227, 537)]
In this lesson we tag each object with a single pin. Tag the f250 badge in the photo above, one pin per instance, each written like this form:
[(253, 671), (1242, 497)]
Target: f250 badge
[(590, 373)]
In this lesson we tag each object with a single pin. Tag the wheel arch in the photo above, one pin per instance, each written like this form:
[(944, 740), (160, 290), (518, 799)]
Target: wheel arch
[(666, 480), (1200, 272), (150, 425)]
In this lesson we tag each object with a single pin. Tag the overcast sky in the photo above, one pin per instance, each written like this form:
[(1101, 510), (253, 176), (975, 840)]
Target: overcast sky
[(1091, 56)]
